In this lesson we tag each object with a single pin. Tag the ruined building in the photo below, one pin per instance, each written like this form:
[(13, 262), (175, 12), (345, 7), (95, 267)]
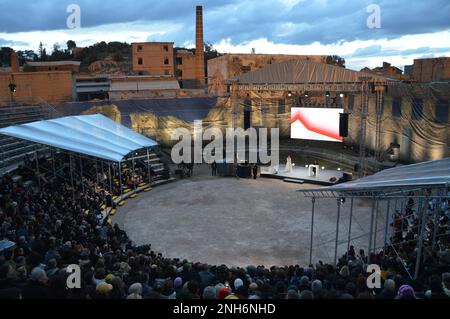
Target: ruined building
[(161, 59)]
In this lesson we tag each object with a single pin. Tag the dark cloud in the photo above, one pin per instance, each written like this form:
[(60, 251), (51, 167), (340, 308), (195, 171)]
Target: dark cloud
[(241, 21), (379, 51), (9, 43)]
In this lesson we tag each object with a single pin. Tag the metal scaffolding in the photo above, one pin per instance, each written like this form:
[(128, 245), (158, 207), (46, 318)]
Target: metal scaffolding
[(378, 196)]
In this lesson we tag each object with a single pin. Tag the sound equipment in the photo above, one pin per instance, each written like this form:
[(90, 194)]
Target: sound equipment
[(343, 124), (244, 171), (347, 177)]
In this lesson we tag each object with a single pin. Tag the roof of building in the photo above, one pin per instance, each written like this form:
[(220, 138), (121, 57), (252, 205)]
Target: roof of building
[(92, 135), (303, 72), (230, 55), (150, 43), (139, 85), (54, 63)]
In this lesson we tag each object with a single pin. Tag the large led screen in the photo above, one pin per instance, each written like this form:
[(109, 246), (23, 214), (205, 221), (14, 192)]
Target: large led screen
[(317, 124)]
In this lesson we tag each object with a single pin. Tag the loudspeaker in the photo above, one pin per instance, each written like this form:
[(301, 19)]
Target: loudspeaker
[(347, 177), (247, 120), (343, 124)]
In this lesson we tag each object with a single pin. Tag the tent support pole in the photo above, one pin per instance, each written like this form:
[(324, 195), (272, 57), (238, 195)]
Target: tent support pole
[(96, 171), (423, 212), (81, 173), (376, 227), (120, 177), (436, 212), (103, 175), (371, 230), (133, 173), (148, 167), (53, 162), (37, 169), (337, 231), (71, 177), (312, 230), (350, 226), (110, 180), (386, 226)]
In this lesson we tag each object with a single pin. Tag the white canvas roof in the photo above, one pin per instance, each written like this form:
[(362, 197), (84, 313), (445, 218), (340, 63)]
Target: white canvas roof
[(304, 72), (424, 174), (93, 135)]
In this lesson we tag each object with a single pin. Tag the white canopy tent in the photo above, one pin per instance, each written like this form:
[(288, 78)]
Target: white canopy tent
[(86, 136), (426, 174), (423, 181), (93, 135)]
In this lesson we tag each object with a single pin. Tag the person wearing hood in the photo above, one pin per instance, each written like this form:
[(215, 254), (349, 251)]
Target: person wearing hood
[(388, 290), (36, 287), (406, 292), (446, 283), (167, 290)]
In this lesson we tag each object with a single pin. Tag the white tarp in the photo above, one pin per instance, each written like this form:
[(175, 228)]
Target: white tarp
[(415, 175), (93, 135), (304, 72)]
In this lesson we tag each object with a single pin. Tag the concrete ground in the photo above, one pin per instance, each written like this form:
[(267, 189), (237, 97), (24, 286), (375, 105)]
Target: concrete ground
[(239, 222)]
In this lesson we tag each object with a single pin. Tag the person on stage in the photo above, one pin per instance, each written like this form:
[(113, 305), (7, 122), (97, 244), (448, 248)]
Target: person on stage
[(288, 168), (214, 168), (255, 171)]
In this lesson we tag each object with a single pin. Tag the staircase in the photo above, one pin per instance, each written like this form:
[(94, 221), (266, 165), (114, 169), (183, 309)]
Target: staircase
[(12, 150)]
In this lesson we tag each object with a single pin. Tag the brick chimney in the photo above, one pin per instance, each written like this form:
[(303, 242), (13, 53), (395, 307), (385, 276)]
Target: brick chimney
[(14, 62), (199, 50)]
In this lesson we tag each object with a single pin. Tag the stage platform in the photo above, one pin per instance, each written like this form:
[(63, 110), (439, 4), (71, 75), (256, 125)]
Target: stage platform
[(301, 174)]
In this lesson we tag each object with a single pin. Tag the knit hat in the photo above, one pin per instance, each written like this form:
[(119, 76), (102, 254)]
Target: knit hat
[(345, 272), (389, 284), (406, 291), (316, 286), (103, 288), (209, 293), (178, 282), (446, 279), (253, 286), (218, 287), (109, 278), (292, 294), (306, 294), (135, 289), (223, 293), (304, 281), (39, 275), (238, 283)]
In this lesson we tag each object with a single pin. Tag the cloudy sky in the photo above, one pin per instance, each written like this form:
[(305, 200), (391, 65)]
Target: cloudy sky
[(409, 28)]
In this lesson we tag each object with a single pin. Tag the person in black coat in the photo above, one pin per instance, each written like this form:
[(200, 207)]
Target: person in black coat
[(255, 171), (36, 287), (214, 168)]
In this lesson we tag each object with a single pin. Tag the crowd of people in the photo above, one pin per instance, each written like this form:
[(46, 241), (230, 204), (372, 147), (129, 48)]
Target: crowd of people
[(54, 226)]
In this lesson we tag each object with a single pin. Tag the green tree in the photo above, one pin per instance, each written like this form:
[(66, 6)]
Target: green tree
[(71, 45), (336, 60), (42, 52), (5, 54)]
